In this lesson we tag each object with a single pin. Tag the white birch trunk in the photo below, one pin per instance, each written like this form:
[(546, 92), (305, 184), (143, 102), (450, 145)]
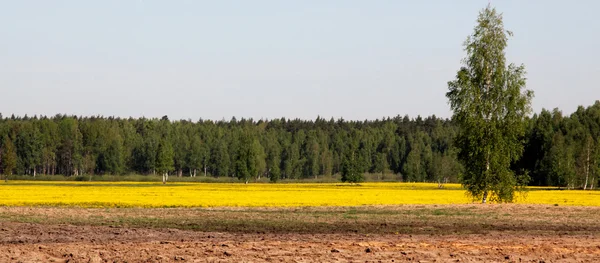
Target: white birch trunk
[(587, 167)]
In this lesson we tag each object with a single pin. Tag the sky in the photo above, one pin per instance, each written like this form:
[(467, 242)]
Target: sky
[(266, 59)]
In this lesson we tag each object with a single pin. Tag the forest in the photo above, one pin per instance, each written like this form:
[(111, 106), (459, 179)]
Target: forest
[(558, 150)]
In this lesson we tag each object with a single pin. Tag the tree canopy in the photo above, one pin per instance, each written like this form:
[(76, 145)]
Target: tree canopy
[(399, 148)]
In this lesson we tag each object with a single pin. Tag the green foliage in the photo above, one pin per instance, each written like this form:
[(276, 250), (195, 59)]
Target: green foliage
[(350, 170), (198, 154), (29, 147), (257, 152), (250, 158), (490, 103), (110, 158), (70, 146), (8, 157), (273, 157), (221, 159), (285, 150), (164, 157)]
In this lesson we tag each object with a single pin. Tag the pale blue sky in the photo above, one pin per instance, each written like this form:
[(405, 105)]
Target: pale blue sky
[(271, 59)]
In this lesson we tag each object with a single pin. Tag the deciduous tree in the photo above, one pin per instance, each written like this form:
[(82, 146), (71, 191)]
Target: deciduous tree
[(8, 157), (490, 102)]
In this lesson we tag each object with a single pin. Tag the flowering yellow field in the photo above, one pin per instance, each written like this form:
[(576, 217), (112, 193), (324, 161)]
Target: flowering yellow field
[(138, 194)]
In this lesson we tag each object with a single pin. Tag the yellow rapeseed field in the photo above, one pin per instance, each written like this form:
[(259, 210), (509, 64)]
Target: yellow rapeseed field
[(138, 194)]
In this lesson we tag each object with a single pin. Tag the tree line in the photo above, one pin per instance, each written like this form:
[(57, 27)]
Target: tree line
[(559, 150), (419, 149), (563, 150)]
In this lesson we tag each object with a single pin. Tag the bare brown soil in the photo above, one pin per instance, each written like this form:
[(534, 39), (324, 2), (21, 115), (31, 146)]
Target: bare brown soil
[(474, 233)]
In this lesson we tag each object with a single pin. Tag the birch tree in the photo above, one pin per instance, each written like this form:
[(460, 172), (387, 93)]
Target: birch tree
[(490, 102), (164, 159)]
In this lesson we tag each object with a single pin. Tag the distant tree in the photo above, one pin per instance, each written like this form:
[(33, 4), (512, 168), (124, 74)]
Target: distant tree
[(312, 152), (221, 159), (110, 155), (326, 162), (198, 155), (241, 166), (350, 170), (164, 159), (8, 158), (181, 147), (445, 167), (246, 158), (29, 148), (70, 147), (149, 152), (273, 168), (292, 162), (490, 102), (536, 157), (398, 154), (130, 140), (365, 153), (560, 162), (418, 159), (586, 158), (381, 165), (114, 154), (258, 152), (413, 169), (50, 140), (273, 157), (89, 163)]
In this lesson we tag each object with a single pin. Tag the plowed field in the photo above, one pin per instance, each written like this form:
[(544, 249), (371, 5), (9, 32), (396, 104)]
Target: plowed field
[(427, 233)]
